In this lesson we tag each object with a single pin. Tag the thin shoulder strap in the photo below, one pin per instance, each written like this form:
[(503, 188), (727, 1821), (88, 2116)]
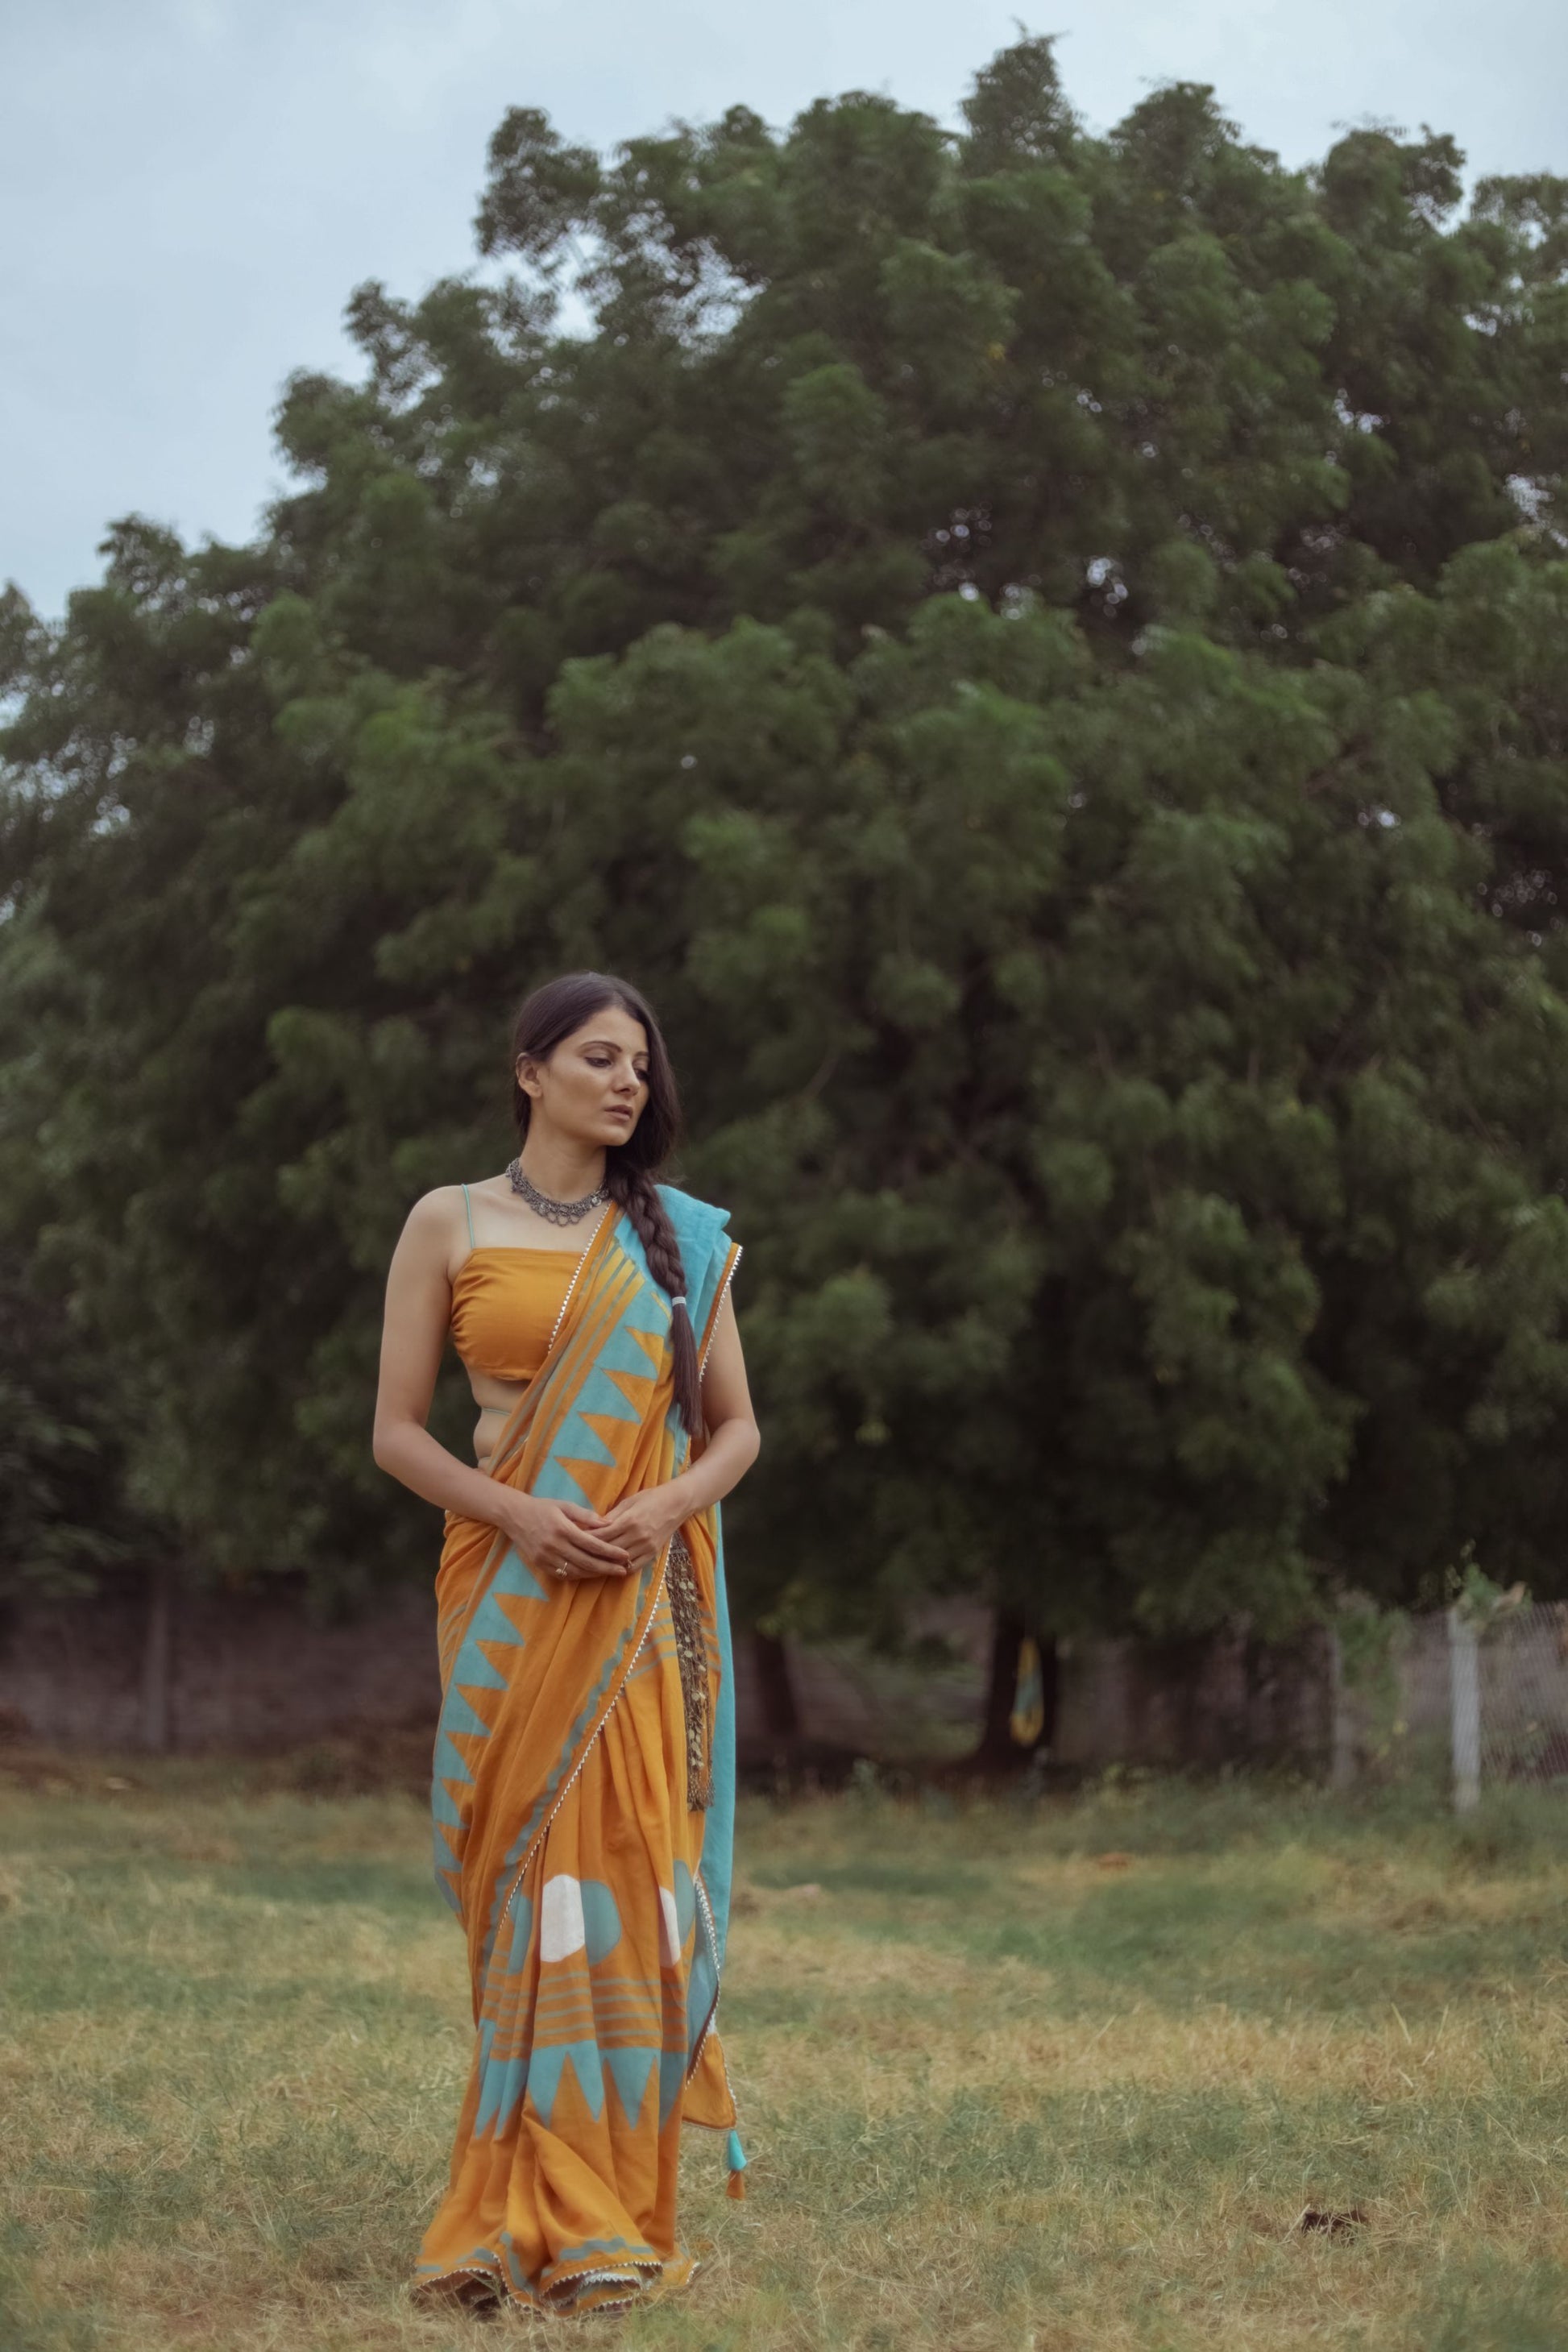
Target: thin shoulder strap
[(469, 1212)]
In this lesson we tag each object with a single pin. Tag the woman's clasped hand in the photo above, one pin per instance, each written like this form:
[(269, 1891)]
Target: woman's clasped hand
[(573, 1543)]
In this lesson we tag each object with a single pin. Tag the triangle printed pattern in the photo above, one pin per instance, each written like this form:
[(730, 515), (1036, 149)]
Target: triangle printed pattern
[(477, 1675), (476, 1670), (578, 1443), (599, 1398), (458, 1720), (446, 1858), (629, 2070), (502, 2082), (441, 1805), (546, 2068), (671, 2077), (648, 1312), (622, 1351), (556, 1484)]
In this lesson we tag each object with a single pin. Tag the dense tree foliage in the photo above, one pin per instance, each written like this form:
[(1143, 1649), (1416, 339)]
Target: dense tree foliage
[(1042, 653)]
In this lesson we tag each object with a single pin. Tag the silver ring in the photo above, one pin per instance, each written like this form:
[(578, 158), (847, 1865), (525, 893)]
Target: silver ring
[(562, 1570)]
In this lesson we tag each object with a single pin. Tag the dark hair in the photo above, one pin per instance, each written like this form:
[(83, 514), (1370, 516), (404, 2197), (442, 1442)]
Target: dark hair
[(556, 1011)]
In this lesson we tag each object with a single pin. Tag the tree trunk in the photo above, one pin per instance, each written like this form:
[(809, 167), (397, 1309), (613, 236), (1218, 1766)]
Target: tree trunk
[(1050, 1681), (156, 1644), (775, 1689), (998, 1751)]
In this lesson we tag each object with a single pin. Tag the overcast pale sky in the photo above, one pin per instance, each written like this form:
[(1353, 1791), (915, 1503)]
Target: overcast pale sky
[(194, 186)]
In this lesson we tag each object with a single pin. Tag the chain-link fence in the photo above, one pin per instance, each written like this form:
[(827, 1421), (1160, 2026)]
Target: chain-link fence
[(1507, 1695)]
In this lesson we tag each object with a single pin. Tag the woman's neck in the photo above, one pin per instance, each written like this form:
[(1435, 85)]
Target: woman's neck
[(561, 1168)]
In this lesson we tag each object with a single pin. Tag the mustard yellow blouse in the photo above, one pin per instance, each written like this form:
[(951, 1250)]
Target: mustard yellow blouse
[(505, 1305)]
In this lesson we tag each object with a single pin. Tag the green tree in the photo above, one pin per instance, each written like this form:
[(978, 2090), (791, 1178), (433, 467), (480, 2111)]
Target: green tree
[(1038, 650)]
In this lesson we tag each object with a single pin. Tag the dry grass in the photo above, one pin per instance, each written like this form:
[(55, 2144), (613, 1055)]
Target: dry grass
[(1013, 2076)]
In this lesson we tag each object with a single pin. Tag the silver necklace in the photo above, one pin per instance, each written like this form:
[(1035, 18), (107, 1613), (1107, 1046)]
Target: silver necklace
[(555, 1213)]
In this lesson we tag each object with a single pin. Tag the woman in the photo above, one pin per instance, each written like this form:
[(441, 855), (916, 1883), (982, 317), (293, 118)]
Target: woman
[(583, 1782)]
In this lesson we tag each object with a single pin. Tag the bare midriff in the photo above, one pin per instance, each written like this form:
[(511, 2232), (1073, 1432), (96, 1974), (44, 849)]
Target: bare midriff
[(494, 1412)]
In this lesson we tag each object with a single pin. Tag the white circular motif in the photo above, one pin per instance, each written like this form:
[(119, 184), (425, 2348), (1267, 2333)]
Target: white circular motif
[(669, 1929), (561, 1929)]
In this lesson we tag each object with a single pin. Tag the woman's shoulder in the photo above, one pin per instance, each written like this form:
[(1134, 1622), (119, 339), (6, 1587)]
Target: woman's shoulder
[(439, 1203), (435, 1214)]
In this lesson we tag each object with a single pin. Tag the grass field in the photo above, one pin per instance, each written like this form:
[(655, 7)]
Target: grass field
[(1013, 2075)]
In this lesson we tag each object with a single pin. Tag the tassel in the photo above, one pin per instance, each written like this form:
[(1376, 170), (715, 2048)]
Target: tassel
[(692, 1655), (1027, 1719), (736, 2156)]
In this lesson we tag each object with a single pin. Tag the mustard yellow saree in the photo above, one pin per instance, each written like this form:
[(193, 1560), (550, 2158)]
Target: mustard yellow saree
[(584, 1805)]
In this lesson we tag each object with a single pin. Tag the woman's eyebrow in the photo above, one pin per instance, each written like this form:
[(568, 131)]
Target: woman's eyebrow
[(609, 1043)]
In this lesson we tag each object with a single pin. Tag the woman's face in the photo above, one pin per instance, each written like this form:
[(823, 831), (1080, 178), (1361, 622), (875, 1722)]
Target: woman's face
[(592, 1089)]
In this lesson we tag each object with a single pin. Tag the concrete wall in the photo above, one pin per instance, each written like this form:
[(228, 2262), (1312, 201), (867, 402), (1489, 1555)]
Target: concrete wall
[(243, 1672), (248, 1673), (1224, 1699)]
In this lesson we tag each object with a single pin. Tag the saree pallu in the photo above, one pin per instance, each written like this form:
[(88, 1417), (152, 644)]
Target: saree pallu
[(594, 1893)]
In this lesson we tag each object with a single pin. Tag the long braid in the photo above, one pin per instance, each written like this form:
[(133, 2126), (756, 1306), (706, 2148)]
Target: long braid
[(633, 1190)]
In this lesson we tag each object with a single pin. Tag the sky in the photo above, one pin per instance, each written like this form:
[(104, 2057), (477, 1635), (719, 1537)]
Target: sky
[(192, 188)]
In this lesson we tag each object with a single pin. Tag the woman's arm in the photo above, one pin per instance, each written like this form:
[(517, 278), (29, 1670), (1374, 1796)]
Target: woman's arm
[(642, 1522), (414, 1334)]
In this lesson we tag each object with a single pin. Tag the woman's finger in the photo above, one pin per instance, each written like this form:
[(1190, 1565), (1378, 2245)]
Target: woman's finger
[(587, 1547), (625, 1525), (596, 1562), (576, 1541)]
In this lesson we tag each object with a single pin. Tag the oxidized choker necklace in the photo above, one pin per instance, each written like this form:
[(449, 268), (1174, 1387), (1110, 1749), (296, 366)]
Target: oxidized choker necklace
[(555, 1213)]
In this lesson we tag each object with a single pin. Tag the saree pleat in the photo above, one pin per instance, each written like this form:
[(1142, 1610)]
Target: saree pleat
[(592, 1891)]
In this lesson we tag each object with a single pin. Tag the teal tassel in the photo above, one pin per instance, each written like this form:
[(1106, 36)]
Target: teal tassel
[(734, 2154)]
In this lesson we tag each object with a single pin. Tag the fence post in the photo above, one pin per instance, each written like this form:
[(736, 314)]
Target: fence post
[(1342, 1727), (155, 1648), (1465, 1710)]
